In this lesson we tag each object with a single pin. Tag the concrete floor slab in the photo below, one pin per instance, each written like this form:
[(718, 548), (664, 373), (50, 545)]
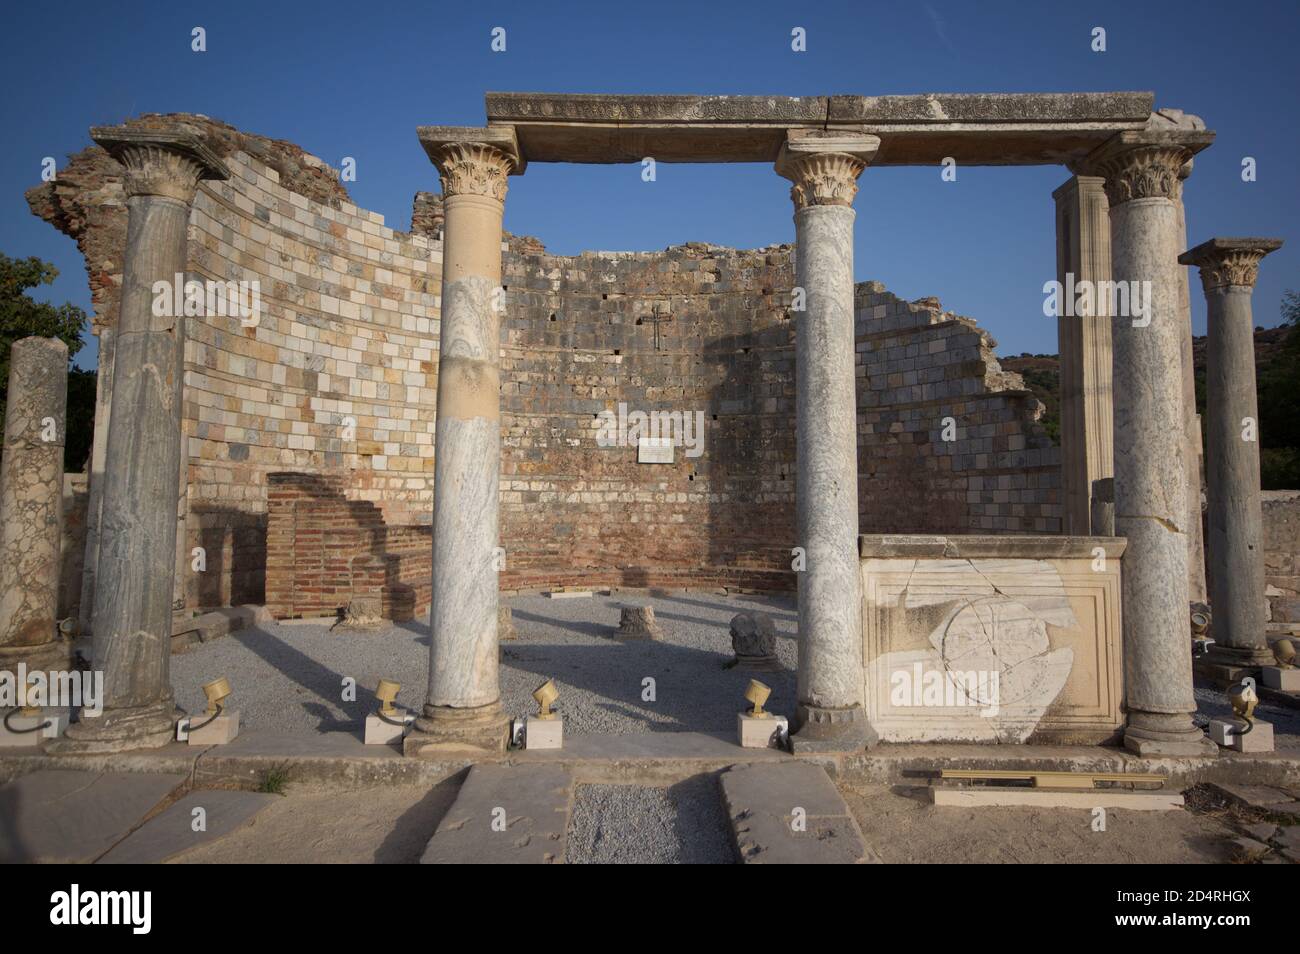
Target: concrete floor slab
[(171, 832), (505, 814), (64, 816)]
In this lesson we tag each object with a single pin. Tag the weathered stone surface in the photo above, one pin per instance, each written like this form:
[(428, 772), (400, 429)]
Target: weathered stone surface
[(638, 622), (31, 505), (506, 623), (790, 813), (753, 640), (516, 814), (171, 833), (61, 816)]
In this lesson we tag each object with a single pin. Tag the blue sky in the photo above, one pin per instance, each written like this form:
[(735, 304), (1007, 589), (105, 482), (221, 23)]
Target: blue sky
[(355, 79)]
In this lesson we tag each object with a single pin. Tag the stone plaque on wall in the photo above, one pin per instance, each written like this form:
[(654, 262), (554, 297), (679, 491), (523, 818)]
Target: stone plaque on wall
[(992, 638), (654, 450)]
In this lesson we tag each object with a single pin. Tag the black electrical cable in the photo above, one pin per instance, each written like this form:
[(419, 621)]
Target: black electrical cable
[(36, 728)]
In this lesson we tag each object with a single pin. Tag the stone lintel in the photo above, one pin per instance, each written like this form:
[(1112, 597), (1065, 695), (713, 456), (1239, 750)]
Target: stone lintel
[(503, 138), (984, 546), (118, 139), (974, 129)]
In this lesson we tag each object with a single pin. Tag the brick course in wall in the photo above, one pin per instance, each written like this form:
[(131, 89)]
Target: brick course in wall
[(330, 399)]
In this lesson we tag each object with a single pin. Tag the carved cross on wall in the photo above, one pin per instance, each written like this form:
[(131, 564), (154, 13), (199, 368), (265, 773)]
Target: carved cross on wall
[(660, 313)]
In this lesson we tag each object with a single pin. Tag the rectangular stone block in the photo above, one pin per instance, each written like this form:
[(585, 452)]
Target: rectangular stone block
[(1275, 677), (219, 731), (23, 731), (992, 638), (379, 732), (1227, 733), (761, 733), (543, 733)]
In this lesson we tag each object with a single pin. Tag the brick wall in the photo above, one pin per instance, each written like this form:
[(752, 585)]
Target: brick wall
[(338, 381)]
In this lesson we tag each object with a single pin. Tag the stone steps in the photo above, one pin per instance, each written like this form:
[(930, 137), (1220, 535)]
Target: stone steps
[(505, 814)]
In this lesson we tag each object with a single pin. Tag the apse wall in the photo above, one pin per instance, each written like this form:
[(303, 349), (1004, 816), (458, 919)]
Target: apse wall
[(338, 378)]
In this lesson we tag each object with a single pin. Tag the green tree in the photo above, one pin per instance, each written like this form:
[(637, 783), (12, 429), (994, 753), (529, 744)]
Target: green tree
[(22, 316), (1279, 405)]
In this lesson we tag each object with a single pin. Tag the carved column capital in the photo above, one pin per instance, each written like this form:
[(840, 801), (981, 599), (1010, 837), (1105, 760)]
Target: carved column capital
[(825, 167), (1146, 164), (473, 169), (473, 160), (1229, 261), (168, 163)]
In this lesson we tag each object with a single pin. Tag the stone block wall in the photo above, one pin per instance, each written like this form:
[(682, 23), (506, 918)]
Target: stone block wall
[(1282, 559), (338, 380)]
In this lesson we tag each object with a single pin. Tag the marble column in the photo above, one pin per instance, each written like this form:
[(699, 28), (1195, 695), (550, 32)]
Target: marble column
[(824, 169), (463, 707), (132, 617), (1235, 540), (1141, 172), (31, 506), (1196, 589), (1083, 255)]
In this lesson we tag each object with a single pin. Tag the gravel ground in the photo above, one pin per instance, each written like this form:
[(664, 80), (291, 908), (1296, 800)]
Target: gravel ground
[(288, 677), (631, 824)]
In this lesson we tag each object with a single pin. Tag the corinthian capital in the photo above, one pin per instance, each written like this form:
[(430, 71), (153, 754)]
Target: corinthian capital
[(163, 162), (1146, 164), (472, 160), (825, 168), (1229, 261)]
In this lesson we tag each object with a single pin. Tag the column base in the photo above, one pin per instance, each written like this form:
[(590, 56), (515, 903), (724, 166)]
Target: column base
[(823, 729), (1232, 657), (1166, 735), (119, 730), (448, 731), (55, 655)]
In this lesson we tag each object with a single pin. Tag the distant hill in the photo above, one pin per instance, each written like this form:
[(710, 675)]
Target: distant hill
[(1277, 368)]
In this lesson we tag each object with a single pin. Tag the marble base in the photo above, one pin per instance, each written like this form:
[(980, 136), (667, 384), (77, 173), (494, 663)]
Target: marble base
[(118, 730), (220, 731), (25, 731), (443, 730), (53, 656), (379, 732), (1168, 748), (759, 733), (543, 733), (1227, 733), (832, 730), (1275, 677)]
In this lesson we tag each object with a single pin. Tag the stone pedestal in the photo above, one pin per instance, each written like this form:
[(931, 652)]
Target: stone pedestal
[(462, 706), (1083, 255), (132, 619), (1228, 734), (385, 731), (766, 733), (27, 731), (1141, 170), (824, 170), (1235, 537), (219, 731), (543, 733), (31, 506), (1275, 677), (638, 622), (753, 642), (506, 623)]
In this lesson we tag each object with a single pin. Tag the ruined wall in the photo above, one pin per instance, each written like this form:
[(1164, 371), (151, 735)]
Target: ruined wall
[(1282, 560), (338, 378)]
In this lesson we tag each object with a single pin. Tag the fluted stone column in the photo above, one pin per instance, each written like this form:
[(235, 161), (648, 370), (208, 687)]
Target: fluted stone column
[(1083, 251), (1229, 267), (1196, 591), (824, 170), (132, 618), (1141, 172), (463, 705), (31, 505)]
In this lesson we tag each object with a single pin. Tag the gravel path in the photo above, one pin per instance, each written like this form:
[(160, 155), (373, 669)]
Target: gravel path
[(288, 677), (630, 824)]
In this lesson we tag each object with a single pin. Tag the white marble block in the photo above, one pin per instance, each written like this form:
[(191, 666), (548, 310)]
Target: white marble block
[(219, 731), (543, 733), (1227, 733), (1275, 677), (761, 733), (379, 732)]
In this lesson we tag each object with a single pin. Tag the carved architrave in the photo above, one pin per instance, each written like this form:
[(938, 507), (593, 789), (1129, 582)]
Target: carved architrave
[(473, 169), (827, 178)]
